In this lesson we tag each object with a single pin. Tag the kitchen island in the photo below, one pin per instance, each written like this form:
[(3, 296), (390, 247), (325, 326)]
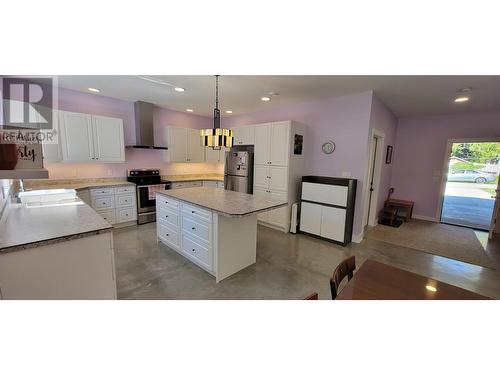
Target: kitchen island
[(214, 228)]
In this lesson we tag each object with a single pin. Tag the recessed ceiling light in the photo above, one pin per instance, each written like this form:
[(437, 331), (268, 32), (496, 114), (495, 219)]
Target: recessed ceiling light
[(465, 89), (431, 288), (189, 110), (265, 98), (179, 89), (93, 89), (461, 99), (229, 111)]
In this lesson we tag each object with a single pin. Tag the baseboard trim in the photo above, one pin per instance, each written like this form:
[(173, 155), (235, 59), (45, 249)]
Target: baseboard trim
[(426, 218), (357, 238)]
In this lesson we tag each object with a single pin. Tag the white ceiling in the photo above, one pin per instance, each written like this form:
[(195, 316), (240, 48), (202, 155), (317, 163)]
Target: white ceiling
[(404, 95)]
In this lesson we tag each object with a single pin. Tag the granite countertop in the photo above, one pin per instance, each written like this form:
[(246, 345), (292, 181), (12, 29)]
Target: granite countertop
[(77, 184), (225, 202), (33, 226), (194, 177)]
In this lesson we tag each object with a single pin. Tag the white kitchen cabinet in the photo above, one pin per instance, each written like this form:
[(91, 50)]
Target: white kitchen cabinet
[(277, 171), (272, 143), (186, 184), (86, 138), (77, 140), (262, 149), (195, 151), (183, 145), (271, 177), (51, 148), (116, 205), (280, 142), (215, 156), (244, 135), (108, 139)]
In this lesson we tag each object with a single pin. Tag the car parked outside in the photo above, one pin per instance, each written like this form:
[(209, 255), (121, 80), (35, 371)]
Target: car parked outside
[(470, 176)]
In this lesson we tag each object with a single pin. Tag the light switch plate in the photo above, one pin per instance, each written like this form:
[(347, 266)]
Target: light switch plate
[(73, 173), (346, 174)]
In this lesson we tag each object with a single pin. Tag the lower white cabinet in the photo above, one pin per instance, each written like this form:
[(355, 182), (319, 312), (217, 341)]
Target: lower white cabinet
[(215, 184), (324, 221), (279, 217), (186, 229), (186, 184), (116, 205)]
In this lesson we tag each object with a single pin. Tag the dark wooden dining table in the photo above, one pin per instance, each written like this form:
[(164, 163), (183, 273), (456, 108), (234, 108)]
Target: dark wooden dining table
[(378, 281)]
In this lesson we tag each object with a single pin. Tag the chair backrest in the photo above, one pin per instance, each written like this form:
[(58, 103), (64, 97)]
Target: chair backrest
[(345, 268), (312, 296)]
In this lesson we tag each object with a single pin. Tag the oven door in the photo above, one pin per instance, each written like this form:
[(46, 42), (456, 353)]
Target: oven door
[(146, 201)]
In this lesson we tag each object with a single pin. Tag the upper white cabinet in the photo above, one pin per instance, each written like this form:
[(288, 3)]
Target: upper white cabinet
[(86, 138), (244, 135), (77, 140), (108, 139), (51, 147), (215, 156), (195, 151), (183, 145), (272, 143)]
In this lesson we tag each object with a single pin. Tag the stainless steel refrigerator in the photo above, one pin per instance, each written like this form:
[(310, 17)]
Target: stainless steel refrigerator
[(238, 171)]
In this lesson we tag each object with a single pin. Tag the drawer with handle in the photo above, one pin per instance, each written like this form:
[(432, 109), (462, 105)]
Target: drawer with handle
[(125, 190), (197, 251), (169, 216), (196, 228), (168, 235), (167, 202), (196, 212), (126, 214), (101, 191), (108, 215), (125, 200), (102, 203)]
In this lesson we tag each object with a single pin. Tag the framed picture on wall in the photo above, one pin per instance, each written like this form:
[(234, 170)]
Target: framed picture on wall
[(297, 144), (388, 155)]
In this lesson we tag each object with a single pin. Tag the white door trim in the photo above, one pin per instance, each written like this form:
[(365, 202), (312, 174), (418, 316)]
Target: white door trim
[(445, 168), (373, 217)]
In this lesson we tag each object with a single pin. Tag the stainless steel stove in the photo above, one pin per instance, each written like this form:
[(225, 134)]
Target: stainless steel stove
[(148, 182)]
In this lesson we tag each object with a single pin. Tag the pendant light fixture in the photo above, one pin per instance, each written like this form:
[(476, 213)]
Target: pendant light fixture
[(216, 137)]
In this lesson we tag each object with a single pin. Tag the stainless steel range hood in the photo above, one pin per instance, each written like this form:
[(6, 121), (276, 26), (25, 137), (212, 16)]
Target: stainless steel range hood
[(144, 131)]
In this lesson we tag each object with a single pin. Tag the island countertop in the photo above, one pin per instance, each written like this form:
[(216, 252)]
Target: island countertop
[(225, 202), (33, 226)]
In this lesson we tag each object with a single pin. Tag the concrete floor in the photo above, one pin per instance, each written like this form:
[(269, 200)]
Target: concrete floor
[(288, 267)]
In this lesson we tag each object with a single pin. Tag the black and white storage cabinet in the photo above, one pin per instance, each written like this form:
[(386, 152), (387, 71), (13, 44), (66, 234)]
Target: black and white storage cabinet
[(327, 207)]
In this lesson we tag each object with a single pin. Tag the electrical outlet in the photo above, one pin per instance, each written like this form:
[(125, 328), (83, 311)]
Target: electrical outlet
[(110, 172), (74, 173), (346, 174)]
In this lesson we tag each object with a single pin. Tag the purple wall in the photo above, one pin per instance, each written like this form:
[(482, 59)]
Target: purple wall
[(70, 100), (345, 120), (383, 119), (420, 150)]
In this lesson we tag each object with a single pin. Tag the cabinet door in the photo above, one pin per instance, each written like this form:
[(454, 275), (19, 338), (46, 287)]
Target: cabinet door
[(261, 176), (280, 135), (237, 139), (258, 192), (310, 218), (51, 148), (211, 155), (278, 178), (248, 135), (76, 136), (333, 223), (195, 151), (177, 144), (280, 216), (262, 148), (109, 144)]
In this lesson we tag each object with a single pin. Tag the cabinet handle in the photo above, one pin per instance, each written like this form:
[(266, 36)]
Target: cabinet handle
[(166, 215), (193, 212), (193, 249), (167, 234), (193, 228)]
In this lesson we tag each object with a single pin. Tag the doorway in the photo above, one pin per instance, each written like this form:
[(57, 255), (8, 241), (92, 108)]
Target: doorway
[(471, 181), (373, 177)]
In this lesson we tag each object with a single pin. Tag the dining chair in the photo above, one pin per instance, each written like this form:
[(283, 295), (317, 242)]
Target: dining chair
[(312, 296), (345, 268)]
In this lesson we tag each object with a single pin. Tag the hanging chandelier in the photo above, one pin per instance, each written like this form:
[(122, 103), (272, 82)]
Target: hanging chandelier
[(216, 137)]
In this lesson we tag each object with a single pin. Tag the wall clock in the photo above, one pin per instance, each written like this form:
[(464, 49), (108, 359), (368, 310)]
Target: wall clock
[(328, 147)]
